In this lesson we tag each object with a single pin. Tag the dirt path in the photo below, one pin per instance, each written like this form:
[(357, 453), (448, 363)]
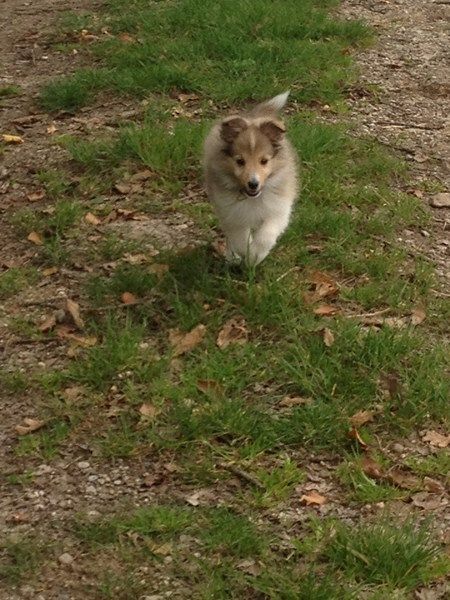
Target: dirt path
[(404, 101), (408, 111)]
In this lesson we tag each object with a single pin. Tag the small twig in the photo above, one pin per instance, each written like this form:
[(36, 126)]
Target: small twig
[(368, 315), (44, 304), (287, 273), (404, 126), (242, 474)]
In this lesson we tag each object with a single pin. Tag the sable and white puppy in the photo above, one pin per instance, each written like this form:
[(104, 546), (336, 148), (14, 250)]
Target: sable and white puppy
[(251, 179)]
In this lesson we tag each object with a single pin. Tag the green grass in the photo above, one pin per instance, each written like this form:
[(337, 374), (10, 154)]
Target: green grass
[(236, 53), (15, 280), (19, 559), (9, 91)]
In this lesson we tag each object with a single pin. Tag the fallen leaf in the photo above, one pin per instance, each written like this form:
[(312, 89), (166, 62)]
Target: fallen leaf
[(313, 499), (249, 566), (219, 247), (433, 486), (50, 271), (193, 500), (209, 386), (128, 298), (325, 310), (371, 468), (142, 175), (123, 188), (328, 337), (184, 342), (354, 435), (187, 97), (36, 196), (233, 332), (82, 340), (417, 316), (73, 309), (158, 269), (289, 401), (29, 426), (126, 38), (324, 285), (51, 129), (12, 139), (48, 324), (73, 392), (149, 412), (361, 418), (428, 501), (135, 259), (35, 238), (434, 438), (161, 549), (402, 479), (92, 219)]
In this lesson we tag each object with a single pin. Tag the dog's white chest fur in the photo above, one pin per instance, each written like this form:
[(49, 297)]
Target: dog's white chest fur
[(252, 220)]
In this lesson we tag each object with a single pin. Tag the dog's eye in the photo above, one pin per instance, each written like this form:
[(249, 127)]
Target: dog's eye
[(240, 162), (264, 161)]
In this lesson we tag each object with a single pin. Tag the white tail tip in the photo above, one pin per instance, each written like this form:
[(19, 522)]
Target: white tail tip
[(279, 101)]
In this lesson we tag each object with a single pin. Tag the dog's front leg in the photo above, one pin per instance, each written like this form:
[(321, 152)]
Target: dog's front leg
[(238, 243), (264, 239)]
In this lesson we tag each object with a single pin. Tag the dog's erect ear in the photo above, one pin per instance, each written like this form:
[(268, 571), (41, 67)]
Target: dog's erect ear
[(231, 128), (274, 130)]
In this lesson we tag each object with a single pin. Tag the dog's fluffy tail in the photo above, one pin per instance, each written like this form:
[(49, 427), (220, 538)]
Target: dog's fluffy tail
[(271, 106)]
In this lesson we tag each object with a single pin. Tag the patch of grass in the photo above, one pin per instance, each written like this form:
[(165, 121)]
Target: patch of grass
[(126, 278), (9, 91), (363, 488), (278, 482), (159, 522), (15, 280), (13, 382), (384, 553), (233, 55), (19, 559), (232, 534), (54, 182), (20, 479), (46, 442), (435, 465)]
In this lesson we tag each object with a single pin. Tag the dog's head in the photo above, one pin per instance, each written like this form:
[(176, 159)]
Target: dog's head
[(251, 149)]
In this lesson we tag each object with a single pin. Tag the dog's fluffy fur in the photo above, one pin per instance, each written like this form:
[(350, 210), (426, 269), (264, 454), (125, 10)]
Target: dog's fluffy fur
[(251, 179)]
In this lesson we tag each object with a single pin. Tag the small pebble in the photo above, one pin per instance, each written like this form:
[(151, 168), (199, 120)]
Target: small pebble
[(83, 465), (66, 559)]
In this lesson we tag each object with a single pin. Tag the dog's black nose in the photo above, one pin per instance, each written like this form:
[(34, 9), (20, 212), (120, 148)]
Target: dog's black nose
[(253, 184)]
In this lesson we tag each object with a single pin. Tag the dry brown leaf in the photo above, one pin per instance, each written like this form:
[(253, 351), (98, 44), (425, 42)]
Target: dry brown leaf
[(51, 129), (289, 401), (324, 285), (433, 486), (135, 259), (73, 392), (209, 386), (123, 188), (371, 468), (12, 139), (354, 435), (250, 566), (233, 332), (219, 247), (361, 418), (149, 411), (184, 342), (402, 479), (428, 501), (92, 219), (35, 238), (86, 341), (73, 309), (126, 38), (187, 97), (313, 499), (158, 269), (328, 337), (142, 175), (36, 196), (29, 426), (50, 271), (434, 438), (325, 310), (48, 324), (417, 316), (128, 298)]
